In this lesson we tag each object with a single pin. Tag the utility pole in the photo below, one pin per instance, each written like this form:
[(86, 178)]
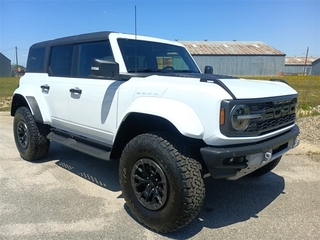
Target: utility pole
[(305, 63), (17, 56)]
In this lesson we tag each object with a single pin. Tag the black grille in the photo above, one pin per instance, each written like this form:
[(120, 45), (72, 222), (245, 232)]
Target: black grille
[(275, 115)]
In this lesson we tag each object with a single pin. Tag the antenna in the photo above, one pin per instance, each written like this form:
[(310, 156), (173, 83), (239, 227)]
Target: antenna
[(135, 21), (17, 57), (135, 34)]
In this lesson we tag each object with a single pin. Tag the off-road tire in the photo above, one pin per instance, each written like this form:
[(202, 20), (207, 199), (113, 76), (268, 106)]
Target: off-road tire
[(175, 165), (29, 136), (265, 169)]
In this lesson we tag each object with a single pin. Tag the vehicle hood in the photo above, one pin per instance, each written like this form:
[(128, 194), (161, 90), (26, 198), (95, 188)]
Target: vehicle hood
[(244, 89)]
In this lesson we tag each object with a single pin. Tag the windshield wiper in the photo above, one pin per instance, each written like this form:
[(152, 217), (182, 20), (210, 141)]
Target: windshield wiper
[(146, 70), (149, 70), (185, 71)]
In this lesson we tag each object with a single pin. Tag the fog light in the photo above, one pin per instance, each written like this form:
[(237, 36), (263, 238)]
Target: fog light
[(228, 160), (234, 160)]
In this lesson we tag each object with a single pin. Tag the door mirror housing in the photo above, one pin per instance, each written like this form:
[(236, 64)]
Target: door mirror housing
[(104, 68), (208, 69)]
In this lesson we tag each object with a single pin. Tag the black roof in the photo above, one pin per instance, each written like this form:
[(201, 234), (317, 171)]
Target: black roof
[(87, 37)]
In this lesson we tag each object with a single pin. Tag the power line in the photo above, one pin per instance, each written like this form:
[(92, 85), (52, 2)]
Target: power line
[(9, 49), (24, 50), (5, 50)]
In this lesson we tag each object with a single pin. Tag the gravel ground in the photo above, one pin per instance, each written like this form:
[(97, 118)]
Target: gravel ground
[(310, 129), (310, 136)]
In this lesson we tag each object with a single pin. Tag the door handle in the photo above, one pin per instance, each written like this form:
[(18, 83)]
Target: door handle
[(75, 90), (45, 87)]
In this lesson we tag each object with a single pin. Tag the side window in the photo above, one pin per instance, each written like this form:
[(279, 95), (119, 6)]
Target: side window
[(36, 59), (61, 60), (90, 51)]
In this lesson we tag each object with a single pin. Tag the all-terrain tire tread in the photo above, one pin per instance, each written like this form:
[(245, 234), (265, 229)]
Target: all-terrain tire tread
[(38, 142)]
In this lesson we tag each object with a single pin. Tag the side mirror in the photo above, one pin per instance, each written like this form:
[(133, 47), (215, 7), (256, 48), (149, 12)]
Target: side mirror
[(104, 68), (208, 70)]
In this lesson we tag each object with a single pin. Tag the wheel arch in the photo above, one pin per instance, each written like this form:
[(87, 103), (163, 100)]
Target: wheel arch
[(29, 102), (178, 113), (138, 123)]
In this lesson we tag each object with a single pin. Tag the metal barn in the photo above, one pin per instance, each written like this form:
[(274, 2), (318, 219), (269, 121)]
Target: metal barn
[(238, 58), (298, 65), (5, 66), (315, 67)]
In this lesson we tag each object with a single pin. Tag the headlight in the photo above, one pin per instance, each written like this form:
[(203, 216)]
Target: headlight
[(239, 120)]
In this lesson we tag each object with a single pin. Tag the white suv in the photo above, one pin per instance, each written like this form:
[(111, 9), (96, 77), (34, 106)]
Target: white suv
[(144, 101)]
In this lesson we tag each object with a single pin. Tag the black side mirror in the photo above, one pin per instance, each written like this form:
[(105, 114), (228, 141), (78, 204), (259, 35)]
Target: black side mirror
[(104, 68), (208, 69)]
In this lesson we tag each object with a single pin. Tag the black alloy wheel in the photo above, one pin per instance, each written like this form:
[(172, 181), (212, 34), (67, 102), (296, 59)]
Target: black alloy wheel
[(149, 184), (22, 133)]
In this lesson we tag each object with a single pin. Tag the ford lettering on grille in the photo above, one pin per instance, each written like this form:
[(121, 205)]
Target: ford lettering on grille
[(279, 111)]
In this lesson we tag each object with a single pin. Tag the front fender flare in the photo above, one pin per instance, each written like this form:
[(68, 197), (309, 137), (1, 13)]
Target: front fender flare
[(182, 116)]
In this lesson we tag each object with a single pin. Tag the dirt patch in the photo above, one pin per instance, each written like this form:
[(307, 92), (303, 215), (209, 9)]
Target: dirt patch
[(5, 103), (310, 130), (309, 137)]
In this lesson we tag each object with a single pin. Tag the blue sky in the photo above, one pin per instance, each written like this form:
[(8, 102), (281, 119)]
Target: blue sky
[(287, 25)]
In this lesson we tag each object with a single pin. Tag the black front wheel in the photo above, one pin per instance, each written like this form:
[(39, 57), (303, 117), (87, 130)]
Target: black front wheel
[(30, 137), (161, 181), (149, 184)]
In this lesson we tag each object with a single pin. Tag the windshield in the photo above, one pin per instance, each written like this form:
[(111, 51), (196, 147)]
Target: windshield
[(145, 56)]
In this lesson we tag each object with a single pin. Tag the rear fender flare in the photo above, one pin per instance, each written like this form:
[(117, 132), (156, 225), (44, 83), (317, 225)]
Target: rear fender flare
[(38, 107)]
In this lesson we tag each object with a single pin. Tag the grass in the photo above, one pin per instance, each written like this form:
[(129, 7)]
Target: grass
[(7, 87), (308, 88)]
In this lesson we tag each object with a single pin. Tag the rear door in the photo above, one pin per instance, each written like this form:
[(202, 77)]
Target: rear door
[(55, 87)]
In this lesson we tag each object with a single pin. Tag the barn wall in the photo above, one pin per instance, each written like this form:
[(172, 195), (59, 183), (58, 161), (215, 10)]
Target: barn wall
[(296, 69), (243, 65), (316, 67), (5, 66)]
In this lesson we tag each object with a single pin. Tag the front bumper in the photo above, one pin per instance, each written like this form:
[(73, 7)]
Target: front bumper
[(235, 162)]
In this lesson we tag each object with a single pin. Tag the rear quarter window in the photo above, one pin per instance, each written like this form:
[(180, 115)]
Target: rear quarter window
[(35, 61), (61, 60)]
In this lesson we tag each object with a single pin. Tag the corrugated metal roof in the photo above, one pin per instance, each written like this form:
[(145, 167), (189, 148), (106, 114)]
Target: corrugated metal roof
[(299, 60), (230, 48)]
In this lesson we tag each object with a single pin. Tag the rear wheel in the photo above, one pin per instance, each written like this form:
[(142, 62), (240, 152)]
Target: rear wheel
[(30, 137), (161, 181), (265, 169)]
